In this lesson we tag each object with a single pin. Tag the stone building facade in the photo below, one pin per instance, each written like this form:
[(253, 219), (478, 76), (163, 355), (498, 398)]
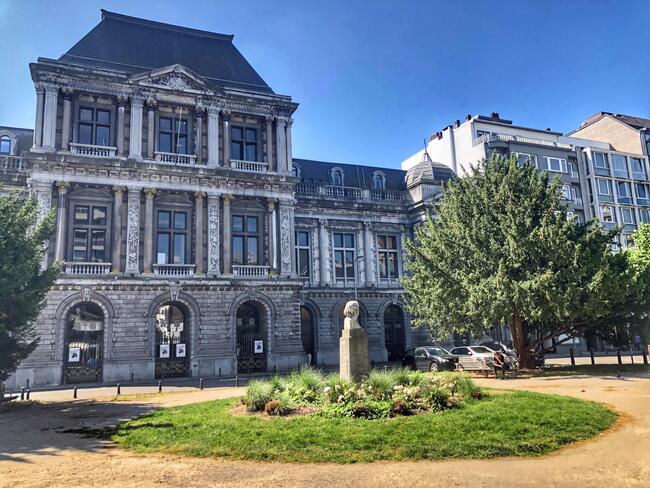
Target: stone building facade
[(192, 242)]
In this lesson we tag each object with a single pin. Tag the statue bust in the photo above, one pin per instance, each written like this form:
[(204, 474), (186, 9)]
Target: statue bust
[(351, 312)]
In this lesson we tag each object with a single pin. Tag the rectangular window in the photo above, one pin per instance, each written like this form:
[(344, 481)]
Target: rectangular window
[(556, 165), (566, 192), (600, 160), (89, 233), (604, 186), (303, 260), (171, 237), (94, 126), (344, 258), (607, 214), (246, 240), (243, 143), (523, 158), (645, 215), (619, 163), (638, 167), (387, 250), (641, 191), (172, 135), (624, 189), (627, 215)]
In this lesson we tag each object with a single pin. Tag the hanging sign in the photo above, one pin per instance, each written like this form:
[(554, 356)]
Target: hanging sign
[(259, 347), (74, 355), (180, 350), (164, 350)]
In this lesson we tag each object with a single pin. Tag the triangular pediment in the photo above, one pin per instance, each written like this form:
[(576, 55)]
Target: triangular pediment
[(175, 77)]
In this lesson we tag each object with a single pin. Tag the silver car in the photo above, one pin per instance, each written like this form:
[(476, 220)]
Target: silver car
[(473, 358)]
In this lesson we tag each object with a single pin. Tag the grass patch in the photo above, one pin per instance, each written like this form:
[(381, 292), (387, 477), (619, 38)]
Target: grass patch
[(595, 369), (16, 405), (508, 424)]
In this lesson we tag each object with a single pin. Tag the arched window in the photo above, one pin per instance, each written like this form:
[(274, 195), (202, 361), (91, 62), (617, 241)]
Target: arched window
[(5, 145), (337, 177), (378, 181), (172, 351), (84, 344), (251, 346)]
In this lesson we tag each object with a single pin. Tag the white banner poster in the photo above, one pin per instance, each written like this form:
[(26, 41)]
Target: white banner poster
[(164, 350), (74, 355), (180, 350), (259, 347)]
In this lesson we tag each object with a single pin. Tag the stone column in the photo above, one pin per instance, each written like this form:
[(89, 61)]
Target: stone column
[(135, 135), (227, 241), (49, 117), (151, 127), (119, 142), (273, 236), (286, 239), (149, 194), (269, 143), (43, 191), (213, 136), (116, 248), (213, 236), (65, 130), (198, 142), (38, 127), (281, 145), (61, 222), (199, 196), (133, 231), (289, 150), (226, 138), (368, 254), (323, 246)]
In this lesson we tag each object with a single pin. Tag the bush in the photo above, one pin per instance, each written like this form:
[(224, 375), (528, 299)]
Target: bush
[(305, 387), (380, 385), (258, 394), (280, 406)]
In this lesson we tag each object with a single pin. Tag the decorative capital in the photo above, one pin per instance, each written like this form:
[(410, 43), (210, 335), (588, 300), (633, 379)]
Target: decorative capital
[(119, 190), (152, 102), (137, 100), (271, 203), (226, 114), (213, 109), (199, 108), (367, 224), (150, 193), (63, 187), (122, 99), (268, 119), (228, 198), (199, 195), (289, 123), (38, 86), (67, 92), (322, 221), (281, 121)]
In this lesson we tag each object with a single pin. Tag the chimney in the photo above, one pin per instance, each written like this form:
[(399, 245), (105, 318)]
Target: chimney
[(495, 116), (468, 117), (457, 123)]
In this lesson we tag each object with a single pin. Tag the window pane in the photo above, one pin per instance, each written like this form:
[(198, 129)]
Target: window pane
[(251, 135), (392, 242), (392, 264), (237, 223), (102, 135), (619, 162), (179, 248), (251, 224), (79, 245), (383, 265), (81, 214), (85, 134), (181, 145), (181, 126), (303, 238), (236, 134), (165, 124), (381, 242), (98, 246), (303, 263), (86, 114), (637, 165), (349, 241), (99, 216), (165, 142), (180, 220), (238, 250), (338, 240), (251, 250), (163, 248), (5, 145), (338, 263), (164, 219), (251, 152), (349, 264), (103, 117), (236, 150)]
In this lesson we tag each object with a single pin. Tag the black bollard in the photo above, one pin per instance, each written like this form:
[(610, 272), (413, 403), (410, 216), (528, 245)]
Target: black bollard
[(160, 386), (573, 358), (236, 381), (275, 369), (74, 392), (644, 353), (27, 394), (131, 377), (22, 393), (119, 389), (200, 383), (593, 360), (632, 356), (219, 372), (27, 384), (618, 355)]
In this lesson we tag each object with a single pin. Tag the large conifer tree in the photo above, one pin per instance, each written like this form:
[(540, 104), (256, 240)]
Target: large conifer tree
[(501, 250)]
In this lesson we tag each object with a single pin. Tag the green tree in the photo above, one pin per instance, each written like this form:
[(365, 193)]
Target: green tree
[(502, 250), (23, 284), (639, 261)]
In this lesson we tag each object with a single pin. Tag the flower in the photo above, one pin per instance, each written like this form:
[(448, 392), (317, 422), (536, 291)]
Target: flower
[(398, 387), (340, 398), (327, 390)]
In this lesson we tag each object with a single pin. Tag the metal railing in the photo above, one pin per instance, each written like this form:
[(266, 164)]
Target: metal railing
[(249, 166), (92, 150), (349, 192), (174, 158), (79, 268), (517, 138), (250, 271), (176, 270)]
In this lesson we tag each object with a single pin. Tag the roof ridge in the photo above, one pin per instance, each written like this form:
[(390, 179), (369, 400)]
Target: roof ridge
[(162, 25)]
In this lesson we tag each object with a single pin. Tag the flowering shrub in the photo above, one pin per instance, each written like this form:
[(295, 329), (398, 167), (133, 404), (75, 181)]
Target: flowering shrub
[(379, 395)]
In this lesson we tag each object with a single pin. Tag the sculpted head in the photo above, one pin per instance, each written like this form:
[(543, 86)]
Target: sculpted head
[(351, 309)]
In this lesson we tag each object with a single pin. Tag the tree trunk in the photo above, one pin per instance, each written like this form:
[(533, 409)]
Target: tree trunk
[(521, 342)]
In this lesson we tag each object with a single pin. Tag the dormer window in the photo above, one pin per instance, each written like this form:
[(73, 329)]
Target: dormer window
[(378, 181), (5, 145), (337, 177), (94, 126), (295, 170), (172, 135)]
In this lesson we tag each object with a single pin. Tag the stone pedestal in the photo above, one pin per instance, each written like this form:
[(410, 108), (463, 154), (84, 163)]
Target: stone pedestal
[(354, 361)]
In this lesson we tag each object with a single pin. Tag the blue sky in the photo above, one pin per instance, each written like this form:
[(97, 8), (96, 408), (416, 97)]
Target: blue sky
[(373, 78)]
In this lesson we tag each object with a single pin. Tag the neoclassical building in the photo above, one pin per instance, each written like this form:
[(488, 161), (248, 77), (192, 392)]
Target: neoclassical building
[(193, 243)]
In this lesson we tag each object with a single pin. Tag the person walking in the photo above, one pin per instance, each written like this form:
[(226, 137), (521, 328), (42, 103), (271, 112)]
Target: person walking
[(499, 363)]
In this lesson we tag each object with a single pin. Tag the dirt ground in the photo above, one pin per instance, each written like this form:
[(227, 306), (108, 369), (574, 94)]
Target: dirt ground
[(35, 450)]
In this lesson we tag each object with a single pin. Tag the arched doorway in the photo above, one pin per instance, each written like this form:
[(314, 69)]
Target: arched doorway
[(394, 332), (251, 343), (307, 333), (84, 344), (172, 342)]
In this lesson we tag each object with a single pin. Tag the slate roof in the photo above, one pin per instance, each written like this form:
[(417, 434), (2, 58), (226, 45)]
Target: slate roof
[(637, 123), (427, 171), (318, 172), (134, 45), (25, 138)]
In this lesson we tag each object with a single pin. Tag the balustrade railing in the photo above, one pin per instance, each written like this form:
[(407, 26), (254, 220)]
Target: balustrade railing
[(92, 150), (79, 268), (250, 271), (517, 138), (175, 270), (349, 192), (248, 166), (174, 158), (12, 163)]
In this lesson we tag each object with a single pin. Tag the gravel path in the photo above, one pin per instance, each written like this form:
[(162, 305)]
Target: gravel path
[(35, 450)]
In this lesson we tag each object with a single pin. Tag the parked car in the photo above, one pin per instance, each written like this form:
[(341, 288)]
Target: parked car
[(430, 358), (475, 358), (508, 352)]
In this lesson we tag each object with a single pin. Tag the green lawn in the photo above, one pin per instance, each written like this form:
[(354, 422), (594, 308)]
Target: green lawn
[(504, 424)]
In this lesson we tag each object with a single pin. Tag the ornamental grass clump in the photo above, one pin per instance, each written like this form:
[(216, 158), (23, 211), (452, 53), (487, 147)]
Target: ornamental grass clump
[(305, 387), (258, 394), (281, 405)]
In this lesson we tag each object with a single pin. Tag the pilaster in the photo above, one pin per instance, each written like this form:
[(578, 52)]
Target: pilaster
[(213, 136), (149, 194), (227, 240), (225, 114), (151, 126), (135, 136), (213, 235), (116, 249), (49, 116), (133, 231), (61, 226), (67, 109), (199, 196), (40, 106)]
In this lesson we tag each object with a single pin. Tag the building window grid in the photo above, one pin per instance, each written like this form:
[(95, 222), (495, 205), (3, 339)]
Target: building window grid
[(344, 257), (5, 145), (627, 216), (246, 240), (388, 257), (525, 158), (303, 253), (171, 237), (172, 135), (90, 233), (243, 143), (604, 186), (94, 126), (600, 160), (556, 165)]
